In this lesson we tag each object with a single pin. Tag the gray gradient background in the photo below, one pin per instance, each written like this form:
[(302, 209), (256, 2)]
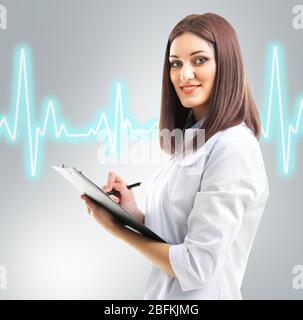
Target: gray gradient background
[(49, 245)]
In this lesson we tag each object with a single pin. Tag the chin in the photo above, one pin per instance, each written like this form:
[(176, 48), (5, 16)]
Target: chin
[(187, 106), (192, 105)]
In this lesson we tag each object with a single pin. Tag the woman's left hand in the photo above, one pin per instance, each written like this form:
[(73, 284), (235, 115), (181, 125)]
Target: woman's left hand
[(102, 216)]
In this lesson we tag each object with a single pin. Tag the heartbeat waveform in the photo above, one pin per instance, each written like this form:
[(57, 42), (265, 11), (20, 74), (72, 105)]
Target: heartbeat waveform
[(275, 108), (275, 112), (60, 130)]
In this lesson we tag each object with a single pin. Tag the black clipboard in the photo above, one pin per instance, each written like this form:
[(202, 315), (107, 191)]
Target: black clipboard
[(86, 186)]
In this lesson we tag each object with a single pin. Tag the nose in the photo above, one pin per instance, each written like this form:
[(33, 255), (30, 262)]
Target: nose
[(186, 73)]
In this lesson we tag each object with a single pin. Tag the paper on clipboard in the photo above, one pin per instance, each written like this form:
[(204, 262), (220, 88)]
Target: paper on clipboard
[(86, 186)]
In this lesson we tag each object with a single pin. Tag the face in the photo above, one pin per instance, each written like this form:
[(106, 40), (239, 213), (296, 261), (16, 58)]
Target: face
[(192, 62)]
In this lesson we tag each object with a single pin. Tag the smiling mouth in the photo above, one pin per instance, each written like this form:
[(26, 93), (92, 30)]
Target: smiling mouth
[(190, 89)]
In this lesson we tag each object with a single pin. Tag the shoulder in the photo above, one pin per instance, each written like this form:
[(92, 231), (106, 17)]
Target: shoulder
[(236, 151), (226, 145), (235, 164), (237, 139), (235, 159)]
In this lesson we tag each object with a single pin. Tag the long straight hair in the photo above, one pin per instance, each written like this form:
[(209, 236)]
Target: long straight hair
[(230, 101)]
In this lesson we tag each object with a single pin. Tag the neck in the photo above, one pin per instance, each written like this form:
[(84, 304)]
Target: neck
[(198, 113)]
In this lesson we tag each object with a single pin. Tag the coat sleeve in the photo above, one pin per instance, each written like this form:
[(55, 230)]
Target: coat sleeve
[(229, 183)]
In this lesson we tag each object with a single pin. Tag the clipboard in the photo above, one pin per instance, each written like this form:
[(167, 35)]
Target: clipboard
[(86, 186)]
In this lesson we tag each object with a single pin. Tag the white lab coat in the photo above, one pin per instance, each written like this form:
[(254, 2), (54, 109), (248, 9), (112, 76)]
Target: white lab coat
[(210, 218)]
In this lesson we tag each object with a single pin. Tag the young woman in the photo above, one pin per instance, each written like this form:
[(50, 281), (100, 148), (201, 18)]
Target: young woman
[(207, 205)]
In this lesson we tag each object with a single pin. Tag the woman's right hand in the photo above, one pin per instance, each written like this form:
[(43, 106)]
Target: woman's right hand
[(126, 198)]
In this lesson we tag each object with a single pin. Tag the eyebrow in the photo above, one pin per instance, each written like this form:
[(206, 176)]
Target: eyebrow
[(174, 56)]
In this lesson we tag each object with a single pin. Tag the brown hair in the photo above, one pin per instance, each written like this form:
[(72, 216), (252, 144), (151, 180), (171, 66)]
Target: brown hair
[(230, 102)]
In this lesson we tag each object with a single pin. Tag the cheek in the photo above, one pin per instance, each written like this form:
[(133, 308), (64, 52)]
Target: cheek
[(207, 84), (205, 77), (208, 75), (175, 81), (174, 78)]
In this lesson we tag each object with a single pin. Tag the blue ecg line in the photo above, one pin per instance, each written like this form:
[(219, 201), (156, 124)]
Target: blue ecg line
[(274, 115), (21, 124), (53, 127)]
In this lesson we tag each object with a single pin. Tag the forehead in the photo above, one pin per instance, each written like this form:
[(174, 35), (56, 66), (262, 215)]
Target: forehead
[(187, 43)]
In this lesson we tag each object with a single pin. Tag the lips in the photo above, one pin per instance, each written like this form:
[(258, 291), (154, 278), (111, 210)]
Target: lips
[(190, 86), (188, 89)]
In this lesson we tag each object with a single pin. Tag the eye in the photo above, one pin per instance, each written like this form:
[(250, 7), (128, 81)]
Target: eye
[(202, 59), (199, 60), (174, 64)]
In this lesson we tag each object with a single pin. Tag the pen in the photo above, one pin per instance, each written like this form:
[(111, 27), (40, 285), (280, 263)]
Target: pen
[(115, 192)]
